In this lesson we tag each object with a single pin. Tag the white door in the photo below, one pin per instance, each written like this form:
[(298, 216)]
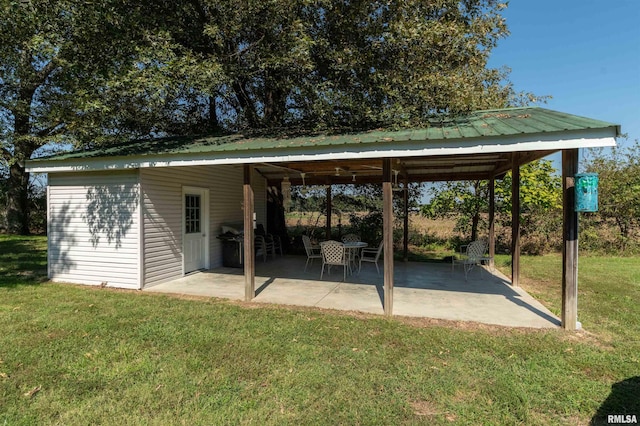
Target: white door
[(195, 229)]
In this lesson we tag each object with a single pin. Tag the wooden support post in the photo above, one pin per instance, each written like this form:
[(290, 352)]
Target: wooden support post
[(329, 213), (570, 241), (249, 257), (492, 221), (515, 221), (405, 235), (387, 235)]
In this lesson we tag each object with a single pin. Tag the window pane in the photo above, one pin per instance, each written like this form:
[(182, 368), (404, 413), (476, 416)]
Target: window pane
[(192, 213)]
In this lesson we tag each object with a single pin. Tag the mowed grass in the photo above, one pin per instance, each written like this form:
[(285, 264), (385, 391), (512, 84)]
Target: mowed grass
[(84, 355)]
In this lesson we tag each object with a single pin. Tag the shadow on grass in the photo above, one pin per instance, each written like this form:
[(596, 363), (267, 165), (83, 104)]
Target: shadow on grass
[(624, 400), (23, 260)]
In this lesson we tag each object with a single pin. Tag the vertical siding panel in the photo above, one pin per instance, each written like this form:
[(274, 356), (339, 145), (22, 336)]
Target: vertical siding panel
[(93, 228), (141, 267), (162, 219)]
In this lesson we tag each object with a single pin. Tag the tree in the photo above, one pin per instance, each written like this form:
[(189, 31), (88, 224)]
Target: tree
[(618, 190), (540, 204), (463, 200), (343, 63), (52, 56), (86, 74), (361, 203)]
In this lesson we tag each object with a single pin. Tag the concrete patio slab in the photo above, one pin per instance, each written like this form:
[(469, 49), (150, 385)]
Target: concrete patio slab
[(429, 290)]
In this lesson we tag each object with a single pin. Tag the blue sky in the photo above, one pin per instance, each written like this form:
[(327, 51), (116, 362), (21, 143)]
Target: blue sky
[(585, 54)]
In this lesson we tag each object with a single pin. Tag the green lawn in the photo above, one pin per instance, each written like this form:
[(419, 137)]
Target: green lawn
[(83, 355)]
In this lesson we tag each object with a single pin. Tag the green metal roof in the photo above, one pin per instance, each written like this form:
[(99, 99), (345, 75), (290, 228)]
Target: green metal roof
[(478, 124)]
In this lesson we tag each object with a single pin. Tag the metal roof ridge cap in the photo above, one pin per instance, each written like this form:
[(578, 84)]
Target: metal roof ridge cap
[(505, 109)]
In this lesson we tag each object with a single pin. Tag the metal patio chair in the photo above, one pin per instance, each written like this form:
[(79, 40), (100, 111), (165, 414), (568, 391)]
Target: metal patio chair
[(350, 238), (334, 254), (313, 251), (264, 247), (371, 255), (475, 253), (276, 242)]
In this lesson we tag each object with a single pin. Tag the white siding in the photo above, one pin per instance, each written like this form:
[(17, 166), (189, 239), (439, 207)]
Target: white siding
[(162, 213), (93, 228)]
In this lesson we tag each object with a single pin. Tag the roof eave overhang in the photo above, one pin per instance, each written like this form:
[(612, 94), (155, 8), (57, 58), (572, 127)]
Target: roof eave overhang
[(555, 141)]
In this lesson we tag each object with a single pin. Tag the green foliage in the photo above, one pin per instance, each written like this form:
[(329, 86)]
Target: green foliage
[(540, 188), (90, 73), (540, 205), (464, 200), (618, 198), (56, 59), (369, 227), (362, 204), (342, 63)]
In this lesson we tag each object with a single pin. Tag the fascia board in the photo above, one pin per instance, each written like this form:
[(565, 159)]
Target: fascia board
[(593, 138)]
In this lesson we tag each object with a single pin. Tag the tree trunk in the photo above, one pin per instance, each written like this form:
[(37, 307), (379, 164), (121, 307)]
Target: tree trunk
[(24, 146), (475, 220), (213, 125), (18, 200), (274, 104), (247, 108)]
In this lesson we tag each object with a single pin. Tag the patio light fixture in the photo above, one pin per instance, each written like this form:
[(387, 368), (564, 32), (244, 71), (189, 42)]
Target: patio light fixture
[(395, 183)]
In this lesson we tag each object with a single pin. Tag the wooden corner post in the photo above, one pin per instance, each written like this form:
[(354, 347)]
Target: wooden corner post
[(569, 240), (249, 258), (492, 221), (387, 235), (515, 221)]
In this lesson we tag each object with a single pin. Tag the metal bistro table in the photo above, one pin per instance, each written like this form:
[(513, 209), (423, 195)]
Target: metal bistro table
[(352, 249)]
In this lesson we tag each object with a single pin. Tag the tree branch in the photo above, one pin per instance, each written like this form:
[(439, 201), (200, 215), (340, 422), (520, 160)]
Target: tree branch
[(6, 155), (49, 68), (56, 129)]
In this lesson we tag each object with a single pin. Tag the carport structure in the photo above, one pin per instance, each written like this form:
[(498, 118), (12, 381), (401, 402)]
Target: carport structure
[(483, 145)]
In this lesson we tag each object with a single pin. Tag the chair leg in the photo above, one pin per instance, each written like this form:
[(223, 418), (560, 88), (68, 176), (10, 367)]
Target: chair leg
[(307, 264), (467, 269), (322, 270), (377, 269)]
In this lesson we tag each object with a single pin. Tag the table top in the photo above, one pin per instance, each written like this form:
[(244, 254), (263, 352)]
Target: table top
[(356, 244)]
